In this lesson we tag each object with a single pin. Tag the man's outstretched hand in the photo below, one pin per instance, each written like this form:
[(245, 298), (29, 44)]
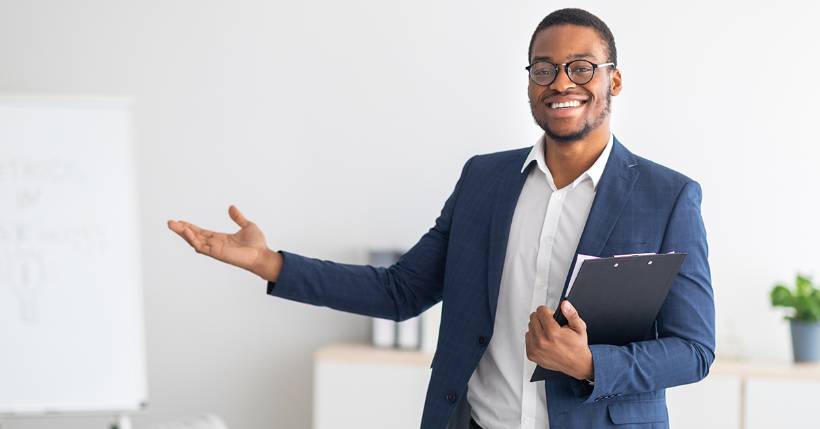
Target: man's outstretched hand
[(245, 248)]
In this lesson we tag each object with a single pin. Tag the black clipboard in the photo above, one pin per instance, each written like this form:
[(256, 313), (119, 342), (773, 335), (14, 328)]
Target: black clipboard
[(620, 297)]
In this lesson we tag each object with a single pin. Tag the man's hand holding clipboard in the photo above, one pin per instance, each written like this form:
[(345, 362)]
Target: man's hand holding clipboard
[(563, 349), (614, 301)]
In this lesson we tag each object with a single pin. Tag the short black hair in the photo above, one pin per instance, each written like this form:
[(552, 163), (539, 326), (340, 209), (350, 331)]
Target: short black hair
[(582, 18)]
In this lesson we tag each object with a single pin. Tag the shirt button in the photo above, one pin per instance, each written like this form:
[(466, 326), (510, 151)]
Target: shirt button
[(482, 340), (451, 397)]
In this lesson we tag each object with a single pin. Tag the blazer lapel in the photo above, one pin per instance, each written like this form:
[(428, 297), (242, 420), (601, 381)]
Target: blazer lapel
[(614, 189), (506, 196), (613, 192)]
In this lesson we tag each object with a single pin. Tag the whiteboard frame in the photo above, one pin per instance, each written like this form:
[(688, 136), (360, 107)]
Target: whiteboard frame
[(96, 101)]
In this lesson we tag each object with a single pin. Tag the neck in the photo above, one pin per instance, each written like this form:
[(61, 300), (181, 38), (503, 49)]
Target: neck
[(568, 160)]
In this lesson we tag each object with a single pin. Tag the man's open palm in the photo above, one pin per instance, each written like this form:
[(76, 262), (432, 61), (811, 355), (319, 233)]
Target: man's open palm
[(245, 249)]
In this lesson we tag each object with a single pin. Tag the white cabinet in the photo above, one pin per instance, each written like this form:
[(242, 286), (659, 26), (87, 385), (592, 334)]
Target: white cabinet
[(782, 403), (712, 403), (364, 387), (358, 386), (749, 395)]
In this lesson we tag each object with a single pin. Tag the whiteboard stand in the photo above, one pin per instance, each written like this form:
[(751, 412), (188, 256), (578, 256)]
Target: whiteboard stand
[(121, 419)]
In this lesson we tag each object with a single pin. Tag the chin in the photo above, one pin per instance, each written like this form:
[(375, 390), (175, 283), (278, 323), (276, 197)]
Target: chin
[(563, 135), (566, 138)]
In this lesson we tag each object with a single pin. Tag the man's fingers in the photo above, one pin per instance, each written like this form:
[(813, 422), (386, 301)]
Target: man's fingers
[(237, 216), (535, 325), (179, 229), (528, 347), (196, 229), (179, 226), (573, 318), (548, 322), (190, 237), (198, 243), (176, 226)]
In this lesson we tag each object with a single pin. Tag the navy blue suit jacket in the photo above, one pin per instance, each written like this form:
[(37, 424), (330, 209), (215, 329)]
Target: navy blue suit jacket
[(639, 207)]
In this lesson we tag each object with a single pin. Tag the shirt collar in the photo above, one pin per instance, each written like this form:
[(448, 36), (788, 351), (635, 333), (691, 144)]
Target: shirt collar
[(594, 172)]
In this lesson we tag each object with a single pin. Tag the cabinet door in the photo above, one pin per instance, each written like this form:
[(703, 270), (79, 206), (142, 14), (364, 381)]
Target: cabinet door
[(782, 403), (368, 395), (712, 403)]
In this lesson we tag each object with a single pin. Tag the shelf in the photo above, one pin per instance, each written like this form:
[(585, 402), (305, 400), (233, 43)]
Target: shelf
[(780, 370), (367, 354)]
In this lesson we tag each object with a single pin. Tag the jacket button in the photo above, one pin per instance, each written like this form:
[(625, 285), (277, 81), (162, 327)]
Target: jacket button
[(451, 397), (482, 340)]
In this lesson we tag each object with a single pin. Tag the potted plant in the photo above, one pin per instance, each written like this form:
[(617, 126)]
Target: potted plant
[(804, 299)]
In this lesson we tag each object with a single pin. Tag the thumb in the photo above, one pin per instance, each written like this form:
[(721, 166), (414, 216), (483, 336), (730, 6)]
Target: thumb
[(574, 320), (237, 216)]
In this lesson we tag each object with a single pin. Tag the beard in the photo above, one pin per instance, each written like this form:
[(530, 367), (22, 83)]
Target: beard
[(583, 131)]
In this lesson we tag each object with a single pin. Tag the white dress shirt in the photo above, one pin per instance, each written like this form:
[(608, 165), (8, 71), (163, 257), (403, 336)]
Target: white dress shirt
[(544, 235)]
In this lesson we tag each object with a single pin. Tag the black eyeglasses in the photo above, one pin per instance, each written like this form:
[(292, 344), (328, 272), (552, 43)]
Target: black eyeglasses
[(579, 72)]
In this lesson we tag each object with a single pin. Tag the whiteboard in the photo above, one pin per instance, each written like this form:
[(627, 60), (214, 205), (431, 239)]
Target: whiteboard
[(71, 327)]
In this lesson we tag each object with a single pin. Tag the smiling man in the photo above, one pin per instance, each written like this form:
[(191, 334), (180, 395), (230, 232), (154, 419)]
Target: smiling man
[(500, 252)]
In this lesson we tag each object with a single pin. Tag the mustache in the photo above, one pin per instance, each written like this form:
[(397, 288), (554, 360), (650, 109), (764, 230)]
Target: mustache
[(546, 96)]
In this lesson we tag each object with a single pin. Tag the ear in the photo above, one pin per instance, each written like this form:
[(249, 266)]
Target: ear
[(615, 82)]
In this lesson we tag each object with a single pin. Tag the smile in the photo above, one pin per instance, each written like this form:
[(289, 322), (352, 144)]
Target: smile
[(565, 104)]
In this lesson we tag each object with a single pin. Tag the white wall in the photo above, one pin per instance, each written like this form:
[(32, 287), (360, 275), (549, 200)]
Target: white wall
[(339, 126)]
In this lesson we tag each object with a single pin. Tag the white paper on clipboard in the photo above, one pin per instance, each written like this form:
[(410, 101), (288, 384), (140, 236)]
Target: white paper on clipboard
[(580, 261)]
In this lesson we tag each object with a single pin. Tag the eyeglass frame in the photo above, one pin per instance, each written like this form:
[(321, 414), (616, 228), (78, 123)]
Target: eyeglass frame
[(565, 66)]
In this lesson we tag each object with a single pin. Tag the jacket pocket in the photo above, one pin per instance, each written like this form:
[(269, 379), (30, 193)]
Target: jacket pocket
[(638, 412)]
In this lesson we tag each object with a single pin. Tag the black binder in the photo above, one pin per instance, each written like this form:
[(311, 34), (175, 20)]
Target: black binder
[(620, 297)]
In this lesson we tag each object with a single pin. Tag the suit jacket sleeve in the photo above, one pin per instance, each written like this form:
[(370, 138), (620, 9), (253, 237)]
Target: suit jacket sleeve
[(685, 344), (399, 292)]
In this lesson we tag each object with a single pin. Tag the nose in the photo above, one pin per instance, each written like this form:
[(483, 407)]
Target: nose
[(561, 82)]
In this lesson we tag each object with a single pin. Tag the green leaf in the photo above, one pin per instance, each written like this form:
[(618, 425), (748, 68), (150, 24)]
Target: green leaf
[(802, 303), (782, 297), (804, 299), (813, 309), (803, 285), (806, 309)]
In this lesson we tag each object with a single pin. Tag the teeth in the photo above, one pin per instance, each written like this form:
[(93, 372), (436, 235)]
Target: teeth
[(573, 103)]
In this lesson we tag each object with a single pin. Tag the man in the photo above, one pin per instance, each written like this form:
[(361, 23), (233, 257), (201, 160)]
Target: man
[(500, 252)]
